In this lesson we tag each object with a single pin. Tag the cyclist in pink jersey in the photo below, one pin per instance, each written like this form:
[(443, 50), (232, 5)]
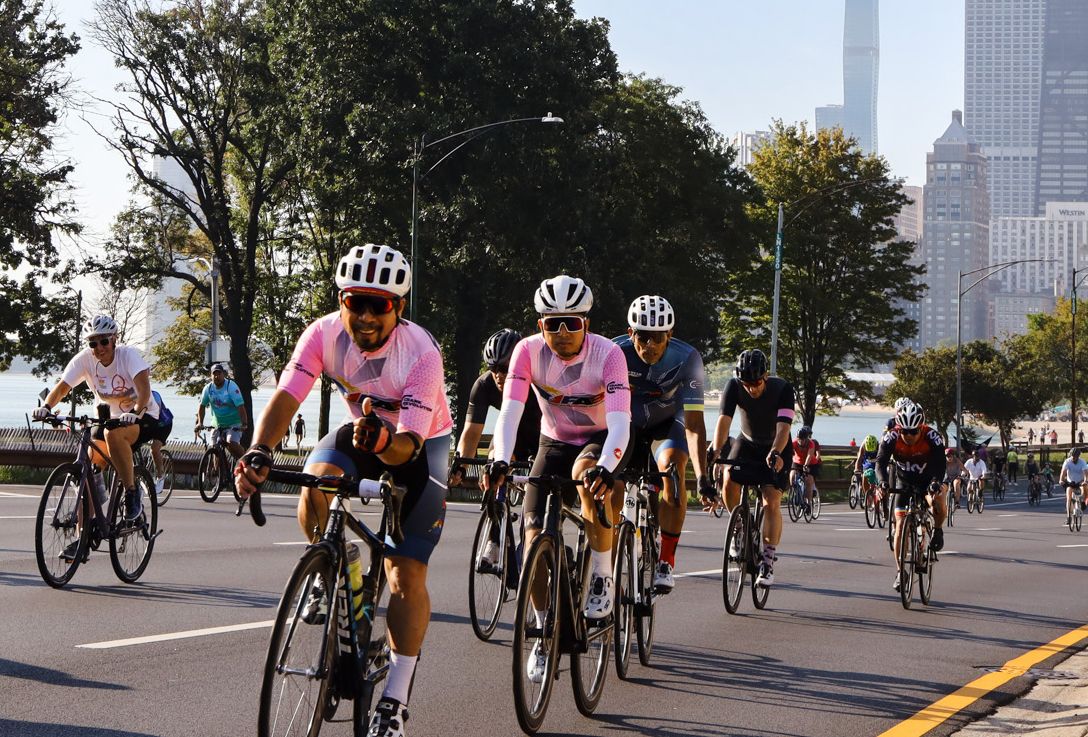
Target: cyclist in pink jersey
[(580, 382), (389, 373)]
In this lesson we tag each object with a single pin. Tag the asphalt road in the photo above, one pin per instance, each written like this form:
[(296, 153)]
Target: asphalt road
[(833, 654)]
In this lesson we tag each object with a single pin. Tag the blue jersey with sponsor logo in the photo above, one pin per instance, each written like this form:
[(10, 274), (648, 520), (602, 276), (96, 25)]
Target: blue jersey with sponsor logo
[(665, 390)]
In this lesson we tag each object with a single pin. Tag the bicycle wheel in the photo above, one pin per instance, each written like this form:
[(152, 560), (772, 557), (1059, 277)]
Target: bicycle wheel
[(855, 493), (927, 558), (299, 666), (56, 526), (167, 477), (533, 690), (736, 559), (486, 582), (891, 531), (980, 502), (1077, 517), (794, 504), (906, 560), (131, 541), (207, 475), (644, 611), (872, 509), (589, 663), (950, 506), (755, 550), (815, 503), (226, 478), (625, 574)]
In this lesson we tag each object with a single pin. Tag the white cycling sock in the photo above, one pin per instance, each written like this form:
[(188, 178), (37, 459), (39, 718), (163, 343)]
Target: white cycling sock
[(399, 682), (600, 563), (540, 614)]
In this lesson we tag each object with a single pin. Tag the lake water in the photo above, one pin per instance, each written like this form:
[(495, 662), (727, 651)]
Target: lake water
[(19, 394)]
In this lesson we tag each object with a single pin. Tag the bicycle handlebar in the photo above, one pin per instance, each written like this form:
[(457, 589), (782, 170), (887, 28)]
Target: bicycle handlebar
[(560, 482), (513, 465), (58, 420)]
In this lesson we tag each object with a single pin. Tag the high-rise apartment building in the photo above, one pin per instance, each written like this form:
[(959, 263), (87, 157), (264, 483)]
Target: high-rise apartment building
[(1003, 63), (746, 145), (909, 223), (1063, 111), (955, 236), (860, 76)]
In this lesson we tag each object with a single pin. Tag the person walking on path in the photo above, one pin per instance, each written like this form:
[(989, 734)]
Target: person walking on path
[(300, 430)]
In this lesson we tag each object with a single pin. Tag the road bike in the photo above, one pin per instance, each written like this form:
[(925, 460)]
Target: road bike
[(1077, 512), (874, 508), (214, 472), (314, 660), (743, 549), (950, 503), (638, 551), (976, 499), (492, 579), (855, 494), (1000, 484), (1035, 491), (797, 505), (915, 556), (72, 521), (559, 577), (146, 458)]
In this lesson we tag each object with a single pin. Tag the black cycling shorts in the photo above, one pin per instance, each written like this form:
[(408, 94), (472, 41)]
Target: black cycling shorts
[(813, 471), (670, 433), (755, 471), (149, 430)]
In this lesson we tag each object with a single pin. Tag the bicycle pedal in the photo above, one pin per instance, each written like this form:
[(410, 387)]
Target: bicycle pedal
[(514, 517)]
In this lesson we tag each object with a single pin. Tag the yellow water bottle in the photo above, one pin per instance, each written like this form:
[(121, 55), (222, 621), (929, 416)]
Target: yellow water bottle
[(355, 573)]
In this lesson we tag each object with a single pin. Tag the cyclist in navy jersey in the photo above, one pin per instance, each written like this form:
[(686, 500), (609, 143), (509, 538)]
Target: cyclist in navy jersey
[(766, 411), (666, 378)]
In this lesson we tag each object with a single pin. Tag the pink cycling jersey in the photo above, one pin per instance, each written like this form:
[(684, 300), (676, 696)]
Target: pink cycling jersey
[(403, 378), (574, 395)]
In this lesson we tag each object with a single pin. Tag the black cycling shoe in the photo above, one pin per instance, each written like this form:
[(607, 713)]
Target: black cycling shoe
[(937, 543), (69, 552), (316, 606)]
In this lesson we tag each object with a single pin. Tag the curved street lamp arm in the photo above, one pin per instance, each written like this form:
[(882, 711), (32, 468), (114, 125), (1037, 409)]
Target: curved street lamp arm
[(488, 126), (828, 190), (996, 268), (458, 147)]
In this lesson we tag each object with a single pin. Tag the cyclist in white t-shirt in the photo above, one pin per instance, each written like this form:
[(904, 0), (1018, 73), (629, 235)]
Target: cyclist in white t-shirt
[(976, 470), (119, 377), (1072, 476)]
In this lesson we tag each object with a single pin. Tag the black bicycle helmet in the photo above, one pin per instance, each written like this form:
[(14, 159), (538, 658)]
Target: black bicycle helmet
[(751, 365), (804, 432), (499, 346)]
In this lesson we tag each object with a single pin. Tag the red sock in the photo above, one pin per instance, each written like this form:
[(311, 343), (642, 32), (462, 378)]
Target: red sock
[(668, 547)]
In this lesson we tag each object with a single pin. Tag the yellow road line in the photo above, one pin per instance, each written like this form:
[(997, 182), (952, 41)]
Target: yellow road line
[(943, 709)]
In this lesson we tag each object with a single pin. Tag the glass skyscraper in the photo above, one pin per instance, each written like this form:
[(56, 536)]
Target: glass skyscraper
[(860, 76)]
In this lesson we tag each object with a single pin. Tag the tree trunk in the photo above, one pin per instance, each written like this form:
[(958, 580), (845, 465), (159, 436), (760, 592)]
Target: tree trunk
[(326, 406)]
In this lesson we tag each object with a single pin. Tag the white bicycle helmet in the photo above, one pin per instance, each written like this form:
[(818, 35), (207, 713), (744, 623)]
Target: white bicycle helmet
[(900, 402), (100, 325), (563, 295), (375, 267), (650, 312), (909, 416)]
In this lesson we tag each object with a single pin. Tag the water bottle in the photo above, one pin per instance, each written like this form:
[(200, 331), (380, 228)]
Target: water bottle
[(355, 573)]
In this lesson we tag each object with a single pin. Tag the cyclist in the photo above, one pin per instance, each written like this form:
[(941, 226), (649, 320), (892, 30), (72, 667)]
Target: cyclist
[(918, 454), (1072, 476), (806, 461), (580, 380), (976, 469), (159, 436), (229, 418), (997, 462), (766, 411), (389, 373), (1032, 472), (487, 392), (667, 379), (865, 464), (953, 474), (1014, 465), (120, 377)]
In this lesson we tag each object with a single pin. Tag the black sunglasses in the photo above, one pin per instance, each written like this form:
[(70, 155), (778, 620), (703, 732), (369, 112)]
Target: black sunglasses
[(95, 343), (372, 303), (573, 323), (499, 368), (646, 336), (911, 431)]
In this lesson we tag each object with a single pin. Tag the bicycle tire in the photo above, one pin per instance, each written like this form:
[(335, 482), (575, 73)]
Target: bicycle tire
[(816, 504), (625, 575), (226, 478), (542, 559), (871, 510), (925, 578), (645, 621), (1077, 518), (56, 525), (589, 665), (132, 542), (735, 563), (891, 531), (486, 590), (759, 593), (207, 476), (950, 505), (906, 560), (289, 640), (855, 493), (980, 503), (167, 477), (794, 505)]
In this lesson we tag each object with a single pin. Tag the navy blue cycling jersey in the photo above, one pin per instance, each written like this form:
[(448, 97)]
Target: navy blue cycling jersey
[(665, 390)]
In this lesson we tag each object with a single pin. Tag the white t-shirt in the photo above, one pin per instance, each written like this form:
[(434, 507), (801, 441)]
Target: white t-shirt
[(113, 384), (976, 468), (1074, 471)]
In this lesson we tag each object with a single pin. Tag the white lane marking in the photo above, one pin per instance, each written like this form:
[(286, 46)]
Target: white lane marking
[(851, 529), (25, 516), (841, 514), (1008, 515), (294, 542), (698, 573), (18, 495), (176, 635), (1074, 546), (988, 529), (950, 552)]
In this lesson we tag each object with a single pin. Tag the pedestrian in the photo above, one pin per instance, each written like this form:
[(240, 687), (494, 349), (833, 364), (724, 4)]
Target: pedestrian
[(1080, 437), (300, 430), (1031, 435), (854, 443), (1053, 437)]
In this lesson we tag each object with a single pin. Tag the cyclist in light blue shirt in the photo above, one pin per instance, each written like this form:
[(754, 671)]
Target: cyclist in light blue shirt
[(228, 409), (1072, 476)]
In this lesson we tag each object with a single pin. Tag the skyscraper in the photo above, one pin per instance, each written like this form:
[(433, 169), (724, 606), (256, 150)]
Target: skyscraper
[(860, 76), (1003, 58), (1063, 110)]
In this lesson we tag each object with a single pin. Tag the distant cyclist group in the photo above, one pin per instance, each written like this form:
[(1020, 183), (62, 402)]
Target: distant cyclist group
[(581, 408)]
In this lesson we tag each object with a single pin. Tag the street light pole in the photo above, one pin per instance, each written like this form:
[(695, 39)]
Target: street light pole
[(213, 285), (79, 317), (470, 134), (1073, 358), (777, 290)]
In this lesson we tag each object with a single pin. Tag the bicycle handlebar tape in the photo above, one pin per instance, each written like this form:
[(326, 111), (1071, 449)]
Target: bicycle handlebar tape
[(602, 514), (259, 456), (393, 495)]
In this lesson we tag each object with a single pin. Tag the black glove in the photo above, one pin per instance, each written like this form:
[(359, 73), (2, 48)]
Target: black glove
[(934, 486), (706, 489), (589, 478), (258, 457), (496, 470), (711, 456), (373, 434)]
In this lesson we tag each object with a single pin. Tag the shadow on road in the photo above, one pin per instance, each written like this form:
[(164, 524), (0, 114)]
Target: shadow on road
[(40, 729), (183, 594), (15, 669)]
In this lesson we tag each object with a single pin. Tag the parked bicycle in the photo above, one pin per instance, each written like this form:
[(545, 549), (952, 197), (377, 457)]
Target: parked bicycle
[(214, 472), (72, 520), (493, 568), (559, 576), (915, 556), (638, 544), (314, 660), (743, 549)]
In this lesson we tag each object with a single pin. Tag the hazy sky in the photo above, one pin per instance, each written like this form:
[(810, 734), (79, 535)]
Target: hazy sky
[(744, 61)]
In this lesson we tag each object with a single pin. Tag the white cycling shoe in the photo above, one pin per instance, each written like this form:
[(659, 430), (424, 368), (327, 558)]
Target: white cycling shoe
[(388, 720), (599, 599), (538, 663), (663, 577)]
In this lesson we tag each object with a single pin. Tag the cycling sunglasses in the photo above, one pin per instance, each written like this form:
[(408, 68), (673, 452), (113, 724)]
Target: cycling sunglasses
[(499, 368), (553, 323), (910, 431), (649, 336), (100, 342), (372, 303), (753, 384)]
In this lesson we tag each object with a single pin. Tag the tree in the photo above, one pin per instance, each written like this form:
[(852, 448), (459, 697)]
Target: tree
[(1001, 385), (929, 378), (844, 273), (33, 85)]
